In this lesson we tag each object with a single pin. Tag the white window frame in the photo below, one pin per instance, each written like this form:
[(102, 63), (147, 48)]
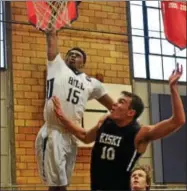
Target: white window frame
[(2, 36), (153, 57)]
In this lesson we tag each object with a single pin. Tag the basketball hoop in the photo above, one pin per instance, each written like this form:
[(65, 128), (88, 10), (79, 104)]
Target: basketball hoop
[(47, 15)]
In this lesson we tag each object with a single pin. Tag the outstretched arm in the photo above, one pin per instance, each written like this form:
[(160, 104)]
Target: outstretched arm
[(107, 101), (52, 47), (51, 36), (79, 132), (100, 94), (83, 135), (177, 120)]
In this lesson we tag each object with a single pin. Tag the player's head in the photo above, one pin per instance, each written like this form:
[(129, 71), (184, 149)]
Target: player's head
[(140, 179), (75, 58), (129, 106)]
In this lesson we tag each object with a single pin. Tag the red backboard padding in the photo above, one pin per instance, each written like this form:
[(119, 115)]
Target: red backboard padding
[(45, 14)]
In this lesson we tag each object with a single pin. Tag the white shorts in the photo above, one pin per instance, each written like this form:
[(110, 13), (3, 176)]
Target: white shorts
[(40, 144), (56, 156)]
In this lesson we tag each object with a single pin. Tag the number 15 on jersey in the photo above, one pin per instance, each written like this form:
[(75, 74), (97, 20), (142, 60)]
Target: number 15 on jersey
[(73, 94)]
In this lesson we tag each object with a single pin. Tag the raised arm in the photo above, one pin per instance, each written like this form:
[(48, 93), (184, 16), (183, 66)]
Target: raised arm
[(79, 132), (107, 101), (177, 120), (52, 47), (100, 94), (83, 135)]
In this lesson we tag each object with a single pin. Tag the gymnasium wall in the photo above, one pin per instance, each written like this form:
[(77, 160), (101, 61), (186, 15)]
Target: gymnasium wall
[(145, 90), (107, 55), (4, 130)]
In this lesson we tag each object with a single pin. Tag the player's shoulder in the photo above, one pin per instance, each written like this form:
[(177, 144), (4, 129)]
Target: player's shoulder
[(144, 129), (103, 119), (56, 58), (92, 81), (88, 78), (57, 63)]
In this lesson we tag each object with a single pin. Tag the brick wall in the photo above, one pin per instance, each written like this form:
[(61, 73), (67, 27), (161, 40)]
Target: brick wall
[(107, 54)]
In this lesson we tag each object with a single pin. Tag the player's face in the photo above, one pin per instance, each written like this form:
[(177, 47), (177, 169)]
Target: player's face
[(138, 180), (122, 110), (74, 60)]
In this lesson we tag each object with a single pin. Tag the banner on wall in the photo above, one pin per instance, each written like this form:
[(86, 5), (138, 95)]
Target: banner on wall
[(174, 15)]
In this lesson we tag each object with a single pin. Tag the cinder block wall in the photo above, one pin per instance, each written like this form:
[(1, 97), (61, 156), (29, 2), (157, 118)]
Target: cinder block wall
[(107, 55)]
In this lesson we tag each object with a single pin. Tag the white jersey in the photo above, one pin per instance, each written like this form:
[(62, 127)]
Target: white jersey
[(73, 89)]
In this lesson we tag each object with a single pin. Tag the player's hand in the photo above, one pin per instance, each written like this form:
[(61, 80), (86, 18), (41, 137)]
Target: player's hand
[(57, 108), (175, 76), (51, 31)]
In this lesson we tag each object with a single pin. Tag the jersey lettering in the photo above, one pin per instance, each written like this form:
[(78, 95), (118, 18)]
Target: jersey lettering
[(110, 139), (50, 85), (73, 96), (76, 83), (108, 153)]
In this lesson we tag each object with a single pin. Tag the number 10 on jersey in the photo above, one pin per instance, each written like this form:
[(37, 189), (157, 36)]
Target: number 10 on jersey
[(108, 153)]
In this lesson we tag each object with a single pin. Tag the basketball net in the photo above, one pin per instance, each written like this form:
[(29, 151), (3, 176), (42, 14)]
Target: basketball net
[(46, 15)]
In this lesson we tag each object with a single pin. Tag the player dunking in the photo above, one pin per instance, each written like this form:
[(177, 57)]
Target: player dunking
[(120, 140), (56, 148)]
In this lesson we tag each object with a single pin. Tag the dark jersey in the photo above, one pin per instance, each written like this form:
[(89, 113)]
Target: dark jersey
[(113, 156)]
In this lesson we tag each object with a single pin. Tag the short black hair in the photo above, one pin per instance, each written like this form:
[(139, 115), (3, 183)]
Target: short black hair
[(136, 104), (79, 50)]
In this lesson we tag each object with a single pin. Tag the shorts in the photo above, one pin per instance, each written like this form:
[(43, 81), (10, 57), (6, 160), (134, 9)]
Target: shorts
[(56, 157), (40, 144)]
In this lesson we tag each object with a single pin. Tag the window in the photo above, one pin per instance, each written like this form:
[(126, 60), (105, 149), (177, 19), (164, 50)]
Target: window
[(137, 31), (2, 37), (153, 56)]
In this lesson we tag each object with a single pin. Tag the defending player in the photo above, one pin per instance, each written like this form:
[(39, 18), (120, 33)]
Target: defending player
[(119, 139)]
